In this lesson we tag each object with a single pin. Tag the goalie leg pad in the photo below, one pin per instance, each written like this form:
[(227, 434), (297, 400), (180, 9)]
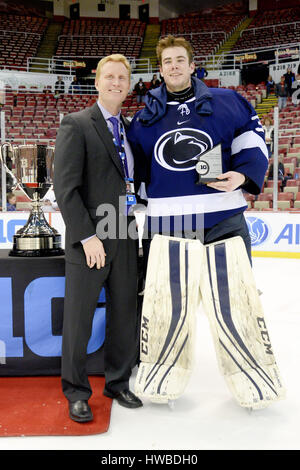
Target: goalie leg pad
[(242, 342), (171, 299)]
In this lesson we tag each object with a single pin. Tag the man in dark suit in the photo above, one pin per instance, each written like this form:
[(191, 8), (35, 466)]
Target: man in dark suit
[(92, 171), (59, 87)]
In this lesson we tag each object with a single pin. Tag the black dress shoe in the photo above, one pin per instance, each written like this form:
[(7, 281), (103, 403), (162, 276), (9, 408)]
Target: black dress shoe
[(80, 411), (124, 398)]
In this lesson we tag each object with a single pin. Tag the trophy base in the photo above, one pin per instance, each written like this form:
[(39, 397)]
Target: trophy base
[(36, 246), (36, 253)]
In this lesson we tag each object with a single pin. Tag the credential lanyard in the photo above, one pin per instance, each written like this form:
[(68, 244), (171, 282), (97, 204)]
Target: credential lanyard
[(120, 145), (121, 150)]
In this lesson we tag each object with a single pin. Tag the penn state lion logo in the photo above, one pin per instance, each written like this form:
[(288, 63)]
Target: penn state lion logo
[(178, 150)]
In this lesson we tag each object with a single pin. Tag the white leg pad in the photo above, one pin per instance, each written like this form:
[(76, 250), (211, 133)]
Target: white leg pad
[(171, 299), (242, 342)]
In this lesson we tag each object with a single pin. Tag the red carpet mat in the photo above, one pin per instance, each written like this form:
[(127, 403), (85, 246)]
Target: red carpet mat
[(36, 406)]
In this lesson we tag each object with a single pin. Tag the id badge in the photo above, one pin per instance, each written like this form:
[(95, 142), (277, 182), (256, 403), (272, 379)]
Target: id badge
[(129, 186), (130, 196)]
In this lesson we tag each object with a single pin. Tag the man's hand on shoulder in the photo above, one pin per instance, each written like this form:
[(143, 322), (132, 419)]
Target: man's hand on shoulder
[(94, 253)]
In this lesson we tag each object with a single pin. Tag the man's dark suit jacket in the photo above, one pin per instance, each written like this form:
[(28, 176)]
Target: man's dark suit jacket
[(87, 173)]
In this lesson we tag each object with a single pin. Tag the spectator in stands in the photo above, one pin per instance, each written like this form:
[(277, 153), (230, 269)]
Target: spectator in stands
[(270, 85), (74, 88), (280, 170), (281, 91), (59, 87), (289, 77), (141, 90), (155, 82), (11, 201), (269, 135), (94, 181), (201, 72)]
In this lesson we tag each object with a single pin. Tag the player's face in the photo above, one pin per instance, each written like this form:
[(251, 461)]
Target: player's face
[(113, 84), (176, 69)]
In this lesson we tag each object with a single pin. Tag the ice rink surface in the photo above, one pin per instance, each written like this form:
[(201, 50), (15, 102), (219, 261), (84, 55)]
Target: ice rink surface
[(206, 417)]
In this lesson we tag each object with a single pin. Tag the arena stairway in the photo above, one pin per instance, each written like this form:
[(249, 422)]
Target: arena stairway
[(266, 105), (227, 46), (148, 50), (48, 45)]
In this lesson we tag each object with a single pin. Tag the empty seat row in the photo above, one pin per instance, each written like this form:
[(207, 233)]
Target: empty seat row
[(286, 200)]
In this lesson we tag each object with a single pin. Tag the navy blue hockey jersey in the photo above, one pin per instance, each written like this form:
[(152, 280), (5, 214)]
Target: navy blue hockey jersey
[(167, 139)]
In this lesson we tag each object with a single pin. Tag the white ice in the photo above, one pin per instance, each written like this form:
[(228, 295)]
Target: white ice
[(207, 417)]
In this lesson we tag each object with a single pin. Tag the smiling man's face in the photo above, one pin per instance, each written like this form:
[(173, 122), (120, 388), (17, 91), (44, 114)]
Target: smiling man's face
[(113, 85), (176, 69)]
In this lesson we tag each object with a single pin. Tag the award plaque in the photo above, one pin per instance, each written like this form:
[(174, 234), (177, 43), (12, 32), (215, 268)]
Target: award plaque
[(32, 172), (209, 165)]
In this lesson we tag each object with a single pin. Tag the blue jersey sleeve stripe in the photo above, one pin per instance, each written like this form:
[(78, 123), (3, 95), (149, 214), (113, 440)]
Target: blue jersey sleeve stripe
[(248, 140)]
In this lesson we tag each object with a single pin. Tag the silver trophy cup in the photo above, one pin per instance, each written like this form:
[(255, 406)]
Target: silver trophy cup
[(32, 172)]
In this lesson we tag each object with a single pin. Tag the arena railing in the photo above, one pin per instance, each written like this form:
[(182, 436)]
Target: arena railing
[(191, 35), (66, 64), (88, 89), (91, 36), (234, 59), (274, 26), (25, 33)]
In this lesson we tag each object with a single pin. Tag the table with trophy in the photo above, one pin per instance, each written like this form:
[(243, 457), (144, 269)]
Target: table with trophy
[(32, 272), (32, 277), (31, 170)]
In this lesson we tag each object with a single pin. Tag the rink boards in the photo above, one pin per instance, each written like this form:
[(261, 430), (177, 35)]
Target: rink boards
[(272, 234)]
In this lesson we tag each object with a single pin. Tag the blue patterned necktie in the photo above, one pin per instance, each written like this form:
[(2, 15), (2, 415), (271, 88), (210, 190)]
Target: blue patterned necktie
[(116, 132), (121, 146)]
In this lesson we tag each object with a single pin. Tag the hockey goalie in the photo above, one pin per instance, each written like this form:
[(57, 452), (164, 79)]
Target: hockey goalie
[(181, 273)]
